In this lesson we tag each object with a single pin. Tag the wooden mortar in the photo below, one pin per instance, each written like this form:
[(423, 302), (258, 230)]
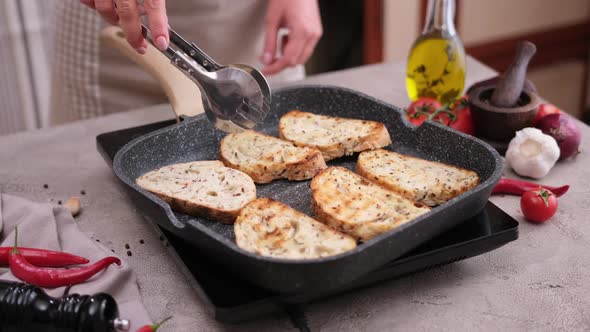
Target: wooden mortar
[(499, 124)]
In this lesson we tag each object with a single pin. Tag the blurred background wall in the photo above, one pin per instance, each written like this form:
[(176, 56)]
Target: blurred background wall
[(490, 30), (356, 32)]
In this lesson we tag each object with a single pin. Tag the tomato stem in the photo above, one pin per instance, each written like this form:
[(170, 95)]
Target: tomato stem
[(544, 194), (428, 110)]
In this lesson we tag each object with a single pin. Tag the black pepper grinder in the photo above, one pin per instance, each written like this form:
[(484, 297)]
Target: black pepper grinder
[(25, 307)]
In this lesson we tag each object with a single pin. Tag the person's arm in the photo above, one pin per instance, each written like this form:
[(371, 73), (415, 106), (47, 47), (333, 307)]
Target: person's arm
[(127, 13), (302, 19)]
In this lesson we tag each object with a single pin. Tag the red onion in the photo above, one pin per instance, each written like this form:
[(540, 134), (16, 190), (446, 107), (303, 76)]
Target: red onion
[(563, 128)]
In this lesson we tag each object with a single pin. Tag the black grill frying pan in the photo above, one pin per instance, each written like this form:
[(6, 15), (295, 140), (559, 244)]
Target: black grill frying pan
[(196, 139)]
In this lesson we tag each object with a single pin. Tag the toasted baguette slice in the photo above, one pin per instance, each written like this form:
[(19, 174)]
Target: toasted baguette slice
[(266, 158), (270, 228), (427, 182), (201, 188), (334, 137), (353, 205)]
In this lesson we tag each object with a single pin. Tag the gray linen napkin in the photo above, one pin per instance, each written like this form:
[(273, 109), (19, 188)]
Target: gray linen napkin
[(44, 226)]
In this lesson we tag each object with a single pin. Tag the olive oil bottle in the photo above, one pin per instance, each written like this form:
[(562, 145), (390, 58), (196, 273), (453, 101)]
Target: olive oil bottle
[(436, 64)]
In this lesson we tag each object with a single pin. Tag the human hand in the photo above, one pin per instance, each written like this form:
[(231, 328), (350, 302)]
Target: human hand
[(302, 18), (126, 13)]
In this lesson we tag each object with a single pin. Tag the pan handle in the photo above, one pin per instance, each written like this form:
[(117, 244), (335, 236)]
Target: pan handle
[(182, 93)]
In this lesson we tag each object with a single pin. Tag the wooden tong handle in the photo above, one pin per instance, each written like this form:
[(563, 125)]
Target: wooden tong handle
[(183, 94)]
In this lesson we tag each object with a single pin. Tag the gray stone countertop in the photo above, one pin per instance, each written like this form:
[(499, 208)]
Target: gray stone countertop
[(540, 282)]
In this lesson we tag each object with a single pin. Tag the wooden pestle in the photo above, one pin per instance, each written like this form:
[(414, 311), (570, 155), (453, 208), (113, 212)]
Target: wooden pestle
[(511, 82)]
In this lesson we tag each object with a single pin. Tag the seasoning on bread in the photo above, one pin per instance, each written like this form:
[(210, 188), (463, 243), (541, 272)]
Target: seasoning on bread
[(333, 136), (427, 182), (270, 228), (266, 158), (356, 206), (201, 188)]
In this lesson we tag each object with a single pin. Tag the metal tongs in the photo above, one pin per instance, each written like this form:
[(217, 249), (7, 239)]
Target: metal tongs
[(235, 97)]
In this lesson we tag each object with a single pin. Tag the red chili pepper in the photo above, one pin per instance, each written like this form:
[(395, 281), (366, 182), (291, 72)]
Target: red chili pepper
[(51, 278), (152, 328), (519, 187), (42, 257)]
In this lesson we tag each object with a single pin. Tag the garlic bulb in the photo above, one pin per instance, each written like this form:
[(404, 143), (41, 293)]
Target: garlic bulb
[(532, 153)]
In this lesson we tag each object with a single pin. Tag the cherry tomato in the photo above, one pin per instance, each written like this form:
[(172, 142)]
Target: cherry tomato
[(545, 109), (421, 108), (462, 121), (538, 205)]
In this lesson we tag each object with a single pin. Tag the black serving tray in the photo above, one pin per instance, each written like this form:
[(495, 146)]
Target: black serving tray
[(196, 139), (233, 299)]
